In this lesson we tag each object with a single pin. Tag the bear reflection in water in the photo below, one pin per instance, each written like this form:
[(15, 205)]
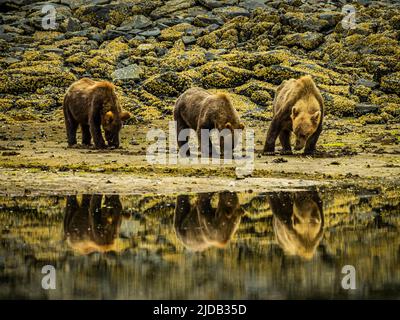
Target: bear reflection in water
[(298, 222), (199, 225), (93, 225)]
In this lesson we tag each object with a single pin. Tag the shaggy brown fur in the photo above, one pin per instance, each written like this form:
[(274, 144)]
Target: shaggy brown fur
[(198, 109), (298, 108), (92, 105), (201, 226)]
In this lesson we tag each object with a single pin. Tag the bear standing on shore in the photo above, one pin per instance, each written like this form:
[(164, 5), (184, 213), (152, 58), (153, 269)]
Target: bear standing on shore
[(299, 108), (92, 105), (198, 109)]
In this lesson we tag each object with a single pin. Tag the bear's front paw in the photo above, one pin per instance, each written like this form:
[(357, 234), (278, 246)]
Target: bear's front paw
[(286, 152), (268, 153), (100, 146), (309, 152)]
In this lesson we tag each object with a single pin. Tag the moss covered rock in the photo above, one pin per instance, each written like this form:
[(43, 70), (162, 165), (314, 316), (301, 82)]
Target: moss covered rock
[(306, 40), (339, 105), (221, 75), (391, 83), (170, 84), (179, 59), (171, 6), (259, 92), (102, 61), (100, 15), (30, 76)]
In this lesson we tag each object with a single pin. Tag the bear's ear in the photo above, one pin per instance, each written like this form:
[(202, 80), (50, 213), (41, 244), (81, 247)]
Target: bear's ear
[(109, 117), (315, 117), (228, 125), (295, 112), (124, 115)]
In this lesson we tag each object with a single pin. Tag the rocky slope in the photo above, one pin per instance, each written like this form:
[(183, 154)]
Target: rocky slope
[(154, 50)]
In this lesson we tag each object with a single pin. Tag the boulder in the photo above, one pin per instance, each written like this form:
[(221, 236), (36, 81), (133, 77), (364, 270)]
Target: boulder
[(365, 108), (212, 4), (231, 12), (102, 15), (307, 40), (75, 4), (29, 77), (131, 72), (170, 84), (137, 22), (171, 6), (221, 75), (253, 4), (391, 83), (205, 20)]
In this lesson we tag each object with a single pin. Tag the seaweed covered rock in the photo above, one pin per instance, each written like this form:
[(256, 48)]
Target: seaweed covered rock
[(170, 84), (302, 22), (179, 59), (248, 60), (102, 14), (221, 75), (230, 12), (391, 83), (102, 61), (35, 72), (155, 49), (259, 92), (176, 32), (307, 40), (226, 37), (277, 73), (171, 6), (339, 105), (212, 4)]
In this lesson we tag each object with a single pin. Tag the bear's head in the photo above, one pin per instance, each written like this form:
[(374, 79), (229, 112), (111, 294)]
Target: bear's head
[(106, 102), (112, 124), (306, 117)]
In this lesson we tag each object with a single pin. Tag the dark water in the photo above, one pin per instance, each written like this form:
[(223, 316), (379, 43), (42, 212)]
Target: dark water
[(224, 245)]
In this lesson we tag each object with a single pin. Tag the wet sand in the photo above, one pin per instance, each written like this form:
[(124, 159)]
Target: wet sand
[(34, 158)]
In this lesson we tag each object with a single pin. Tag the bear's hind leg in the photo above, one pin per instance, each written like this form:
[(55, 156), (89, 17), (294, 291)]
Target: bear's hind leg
[(284, 138), (72, 126), (181, 125), (86, 136)]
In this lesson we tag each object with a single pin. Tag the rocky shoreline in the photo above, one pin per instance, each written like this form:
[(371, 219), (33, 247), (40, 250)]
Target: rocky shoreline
[(154, 50)]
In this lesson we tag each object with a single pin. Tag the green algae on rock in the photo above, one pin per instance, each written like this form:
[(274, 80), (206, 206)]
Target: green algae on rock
[(221, 75), (169, 84), (33, 76)]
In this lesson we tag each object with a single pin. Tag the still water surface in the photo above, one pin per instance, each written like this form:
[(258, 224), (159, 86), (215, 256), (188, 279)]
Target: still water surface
[(280, 245)]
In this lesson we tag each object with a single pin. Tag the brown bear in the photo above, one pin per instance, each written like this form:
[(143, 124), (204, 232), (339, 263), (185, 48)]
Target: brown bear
[(298, 222), (299, 108), (198, 109), (199, 225), (90, 226), (92, 105)]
